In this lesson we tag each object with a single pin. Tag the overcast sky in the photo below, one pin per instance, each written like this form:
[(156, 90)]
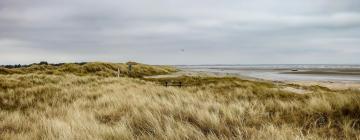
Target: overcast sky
[(180, 31)]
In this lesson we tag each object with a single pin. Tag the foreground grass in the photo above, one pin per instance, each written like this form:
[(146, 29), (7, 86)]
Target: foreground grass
[(41, 106)]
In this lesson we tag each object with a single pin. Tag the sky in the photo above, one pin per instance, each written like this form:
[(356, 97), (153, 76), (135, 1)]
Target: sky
[(180, 31)]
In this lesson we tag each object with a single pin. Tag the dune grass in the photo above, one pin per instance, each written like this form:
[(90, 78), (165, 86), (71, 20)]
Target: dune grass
[(69, 106), (92, 68)]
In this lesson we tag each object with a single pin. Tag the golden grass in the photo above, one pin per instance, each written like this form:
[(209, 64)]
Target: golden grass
[(92, 68), (42, 106)]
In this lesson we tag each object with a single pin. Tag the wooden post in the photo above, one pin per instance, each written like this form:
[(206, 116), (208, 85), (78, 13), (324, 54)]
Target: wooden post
[(129, 69), (118, 73), (166, 84)]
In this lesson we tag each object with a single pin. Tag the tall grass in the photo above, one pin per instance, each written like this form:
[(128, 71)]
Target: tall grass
[(67, 106), (92, 68)]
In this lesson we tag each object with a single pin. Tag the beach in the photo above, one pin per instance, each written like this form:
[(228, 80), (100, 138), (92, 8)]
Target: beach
[(330, 76)]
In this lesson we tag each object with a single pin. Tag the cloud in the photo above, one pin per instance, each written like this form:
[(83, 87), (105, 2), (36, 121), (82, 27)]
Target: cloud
[(210, 31)]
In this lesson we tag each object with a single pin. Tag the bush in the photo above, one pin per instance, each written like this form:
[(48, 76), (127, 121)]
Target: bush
[(43, 63)]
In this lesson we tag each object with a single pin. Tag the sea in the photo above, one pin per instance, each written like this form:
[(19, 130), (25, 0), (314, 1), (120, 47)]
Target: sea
[(282, 72)]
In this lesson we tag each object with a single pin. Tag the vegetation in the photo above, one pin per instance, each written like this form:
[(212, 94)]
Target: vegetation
[(76, 105), (93, 68)]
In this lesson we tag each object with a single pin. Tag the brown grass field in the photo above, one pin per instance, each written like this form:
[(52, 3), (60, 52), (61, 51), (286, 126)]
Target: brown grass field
[(75, 102)]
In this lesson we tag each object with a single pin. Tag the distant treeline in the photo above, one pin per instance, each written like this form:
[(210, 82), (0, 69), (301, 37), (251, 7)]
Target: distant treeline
[(41, 63)]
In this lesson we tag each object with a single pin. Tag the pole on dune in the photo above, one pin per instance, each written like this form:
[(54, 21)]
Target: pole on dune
[(129, 69), (118, 73)]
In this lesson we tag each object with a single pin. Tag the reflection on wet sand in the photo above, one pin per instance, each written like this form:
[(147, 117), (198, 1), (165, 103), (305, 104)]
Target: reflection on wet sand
[(332, 77)]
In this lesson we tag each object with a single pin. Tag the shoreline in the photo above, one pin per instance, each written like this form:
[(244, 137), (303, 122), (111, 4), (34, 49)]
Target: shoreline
[(309, 71), (331, 84)]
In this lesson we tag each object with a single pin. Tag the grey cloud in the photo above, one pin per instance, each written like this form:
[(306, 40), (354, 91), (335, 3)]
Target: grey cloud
[(210, 31)]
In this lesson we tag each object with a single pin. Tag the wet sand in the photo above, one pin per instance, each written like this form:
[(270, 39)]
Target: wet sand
[(287, 74), (338, 79), (340, 72), (310, 71)]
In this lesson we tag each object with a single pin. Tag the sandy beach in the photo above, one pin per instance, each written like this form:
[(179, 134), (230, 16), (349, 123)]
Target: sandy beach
[(337, 79)]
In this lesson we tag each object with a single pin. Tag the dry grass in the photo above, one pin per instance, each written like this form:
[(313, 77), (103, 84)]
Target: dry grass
[(42, 106), (92, 68)]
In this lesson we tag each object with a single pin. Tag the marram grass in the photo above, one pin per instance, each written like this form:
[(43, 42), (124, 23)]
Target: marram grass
[(92, 68), (74, 107)]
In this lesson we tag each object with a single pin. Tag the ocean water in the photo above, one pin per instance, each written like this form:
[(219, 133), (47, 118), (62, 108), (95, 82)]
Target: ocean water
[(275, 72), (278, 66)]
